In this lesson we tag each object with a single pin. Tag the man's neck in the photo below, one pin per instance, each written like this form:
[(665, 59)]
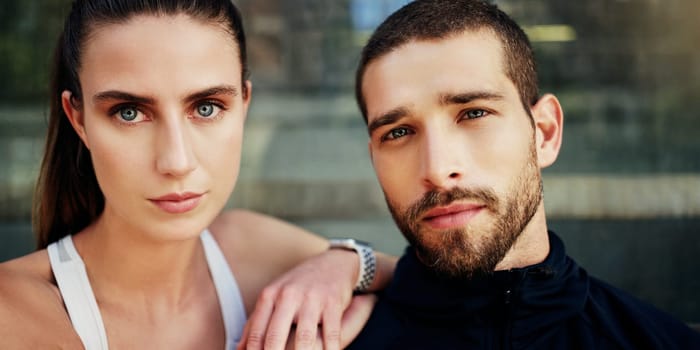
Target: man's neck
[(531, 247)]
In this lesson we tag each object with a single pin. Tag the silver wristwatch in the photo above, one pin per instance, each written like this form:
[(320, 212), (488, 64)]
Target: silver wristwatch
[(368, 261)]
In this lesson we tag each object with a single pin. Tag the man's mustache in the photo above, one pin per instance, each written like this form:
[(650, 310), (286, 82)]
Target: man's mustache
[(433, 198)]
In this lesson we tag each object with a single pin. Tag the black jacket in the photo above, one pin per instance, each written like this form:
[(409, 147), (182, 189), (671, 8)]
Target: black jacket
[(551, 305)]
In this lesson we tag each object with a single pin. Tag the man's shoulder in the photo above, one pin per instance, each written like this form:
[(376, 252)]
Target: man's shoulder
[(628, 320), (383, 327), (404, 318), (393, 327)]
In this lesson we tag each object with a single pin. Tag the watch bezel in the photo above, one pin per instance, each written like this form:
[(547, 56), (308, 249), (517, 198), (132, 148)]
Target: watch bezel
[(347, 243)]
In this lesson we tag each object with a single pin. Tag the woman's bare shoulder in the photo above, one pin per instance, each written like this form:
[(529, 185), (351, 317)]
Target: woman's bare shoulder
[(35, 264), (32, 314), (259, 248), (250, 229), (229, 222)]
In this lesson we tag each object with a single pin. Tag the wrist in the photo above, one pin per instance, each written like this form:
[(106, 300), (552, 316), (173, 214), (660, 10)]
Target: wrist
[(366, 257)]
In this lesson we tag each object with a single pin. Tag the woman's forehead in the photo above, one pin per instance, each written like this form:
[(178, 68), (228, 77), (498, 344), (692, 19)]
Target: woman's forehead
[(151, 31), (156, 52)]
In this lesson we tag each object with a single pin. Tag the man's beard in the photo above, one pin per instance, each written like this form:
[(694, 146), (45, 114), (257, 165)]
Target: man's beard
[(468, 251)]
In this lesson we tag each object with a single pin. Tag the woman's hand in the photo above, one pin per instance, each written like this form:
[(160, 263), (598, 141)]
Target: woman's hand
[(354, 319), (316, 292)]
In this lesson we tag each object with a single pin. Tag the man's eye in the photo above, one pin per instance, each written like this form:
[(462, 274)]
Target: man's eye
[(206, 110), (128, 114), (475, 113), (396, 133)]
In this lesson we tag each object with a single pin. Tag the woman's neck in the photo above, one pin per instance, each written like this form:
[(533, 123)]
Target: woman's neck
[(125, 263)]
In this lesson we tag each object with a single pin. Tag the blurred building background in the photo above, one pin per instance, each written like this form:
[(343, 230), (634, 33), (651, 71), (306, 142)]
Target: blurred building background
[(624, 194)]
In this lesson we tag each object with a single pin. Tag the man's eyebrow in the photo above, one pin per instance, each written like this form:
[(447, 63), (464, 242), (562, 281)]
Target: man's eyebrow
[(387, 118), (463, 98), (212, 91), (122, 96)]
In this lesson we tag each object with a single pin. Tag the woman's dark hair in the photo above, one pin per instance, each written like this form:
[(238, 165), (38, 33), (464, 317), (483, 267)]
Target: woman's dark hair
[(67, 197)]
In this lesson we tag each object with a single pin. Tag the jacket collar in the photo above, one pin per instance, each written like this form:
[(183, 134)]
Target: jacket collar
[(527, 298)]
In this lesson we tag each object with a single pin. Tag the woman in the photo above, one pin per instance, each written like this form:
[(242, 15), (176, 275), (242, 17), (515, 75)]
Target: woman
[(148, 104)]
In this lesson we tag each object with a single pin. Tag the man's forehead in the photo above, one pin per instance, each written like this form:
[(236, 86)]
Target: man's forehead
[(463, 62), (484, 39)]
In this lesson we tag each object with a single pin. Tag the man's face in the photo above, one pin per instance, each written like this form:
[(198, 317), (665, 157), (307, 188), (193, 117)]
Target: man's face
[(453, 149)]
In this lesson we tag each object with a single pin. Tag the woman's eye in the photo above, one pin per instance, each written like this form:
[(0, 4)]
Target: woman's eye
[(396, 133), (206, 110), (128, 114), (475, 113)]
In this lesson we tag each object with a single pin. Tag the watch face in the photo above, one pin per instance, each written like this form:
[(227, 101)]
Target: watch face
[(348, 243)]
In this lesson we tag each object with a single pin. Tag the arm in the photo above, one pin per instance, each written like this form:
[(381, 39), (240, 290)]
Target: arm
[(261, 249)]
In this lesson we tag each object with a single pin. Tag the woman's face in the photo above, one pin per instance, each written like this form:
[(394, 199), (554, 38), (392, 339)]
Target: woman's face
[(162, 114)]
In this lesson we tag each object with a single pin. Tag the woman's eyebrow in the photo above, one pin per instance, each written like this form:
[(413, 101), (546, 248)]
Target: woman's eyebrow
[(215, 90), (121, 96), (129, 97)]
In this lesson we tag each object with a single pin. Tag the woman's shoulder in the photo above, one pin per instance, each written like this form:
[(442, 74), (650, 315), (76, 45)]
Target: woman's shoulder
[(247, 231), (259, 248), (230, 222), (243, 219), (27, 278), (32, 314), (27, 270)]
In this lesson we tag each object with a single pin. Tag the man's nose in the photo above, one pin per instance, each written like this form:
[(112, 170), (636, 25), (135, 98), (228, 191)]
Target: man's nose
[(441, 158)]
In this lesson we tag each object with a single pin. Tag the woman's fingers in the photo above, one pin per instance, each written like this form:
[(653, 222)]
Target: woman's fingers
[(308, 319), (284, 313), (256, 326), (356, 316), (314, 292), (244, 338), (332, 314)]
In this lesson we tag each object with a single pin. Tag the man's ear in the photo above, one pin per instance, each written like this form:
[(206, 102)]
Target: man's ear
[(549, 125), (75, 115), (369, 150)]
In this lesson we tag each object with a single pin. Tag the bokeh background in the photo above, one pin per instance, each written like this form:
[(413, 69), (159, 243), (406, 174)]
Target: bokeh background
[(624, 194)]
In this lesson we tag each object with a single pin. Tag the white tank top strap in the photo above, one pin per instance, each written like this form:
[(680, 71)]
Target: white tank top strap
[(230, 300), (71, 277)]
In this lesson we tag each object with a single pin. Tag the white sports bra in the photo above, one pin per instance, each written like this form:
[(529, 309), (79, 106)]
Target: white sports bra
[(71, 277)]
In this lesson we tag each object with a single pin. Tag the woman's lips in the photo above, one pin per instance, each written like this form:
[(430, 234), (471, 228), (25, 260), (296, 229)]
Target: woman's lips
[(453, 216), (177, 203)]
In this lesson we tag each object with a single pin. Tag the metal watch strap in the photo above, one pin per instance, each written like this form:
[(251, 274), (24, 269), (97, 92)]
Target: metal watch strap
[(368, 261)]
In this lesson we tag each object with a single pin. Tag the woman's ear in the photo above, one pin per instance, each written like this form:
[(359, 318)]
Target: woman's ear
[(247, 95), (75, 115), (549, 125), (248, 86)]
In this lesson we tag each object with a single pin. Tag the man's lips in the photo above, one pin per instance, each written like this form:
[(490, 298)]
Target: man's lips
[(177, 203), (452, 216)]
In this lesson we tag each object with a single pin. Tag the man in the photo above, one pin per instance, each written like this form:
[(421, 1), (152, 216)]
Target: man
[(458, 137)]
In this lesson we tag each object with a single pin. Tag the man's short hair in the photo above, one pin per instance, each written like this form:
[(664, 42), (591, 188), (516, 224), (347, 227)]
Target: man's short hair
[(439, 19)]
